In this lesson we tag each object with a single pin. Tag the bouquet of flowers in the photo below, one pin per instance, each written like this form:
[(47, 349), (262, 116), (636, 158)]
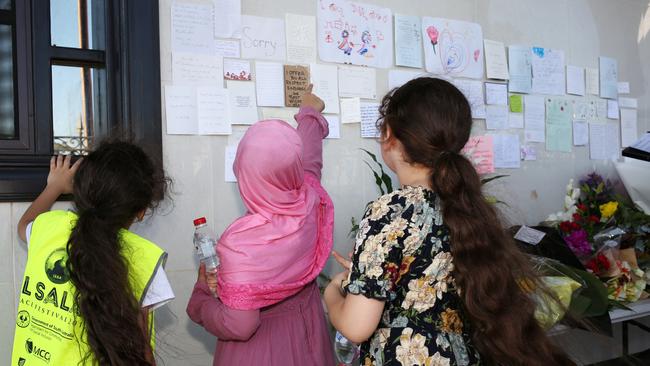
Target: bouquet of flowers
[(606, 233)]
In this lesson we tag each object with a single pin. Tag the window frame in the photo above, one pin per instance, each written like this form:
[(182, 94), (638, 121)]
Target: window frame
[(132, 64)]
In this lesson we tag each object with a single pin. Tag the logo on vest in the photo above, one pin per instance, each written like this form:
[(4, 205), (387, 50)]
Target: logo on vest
[(55, 266), (37, 351), (21, 361), (23, 319)]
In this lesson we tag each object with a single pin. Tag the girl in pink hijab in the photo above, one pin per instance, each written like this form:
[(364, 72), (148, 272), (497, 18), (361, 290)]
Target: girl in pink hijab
[(268, 310)]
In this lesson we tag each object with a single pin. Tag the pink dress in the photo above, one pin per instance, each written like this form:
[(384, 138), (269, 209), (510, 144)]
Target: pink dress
[(290, 333)]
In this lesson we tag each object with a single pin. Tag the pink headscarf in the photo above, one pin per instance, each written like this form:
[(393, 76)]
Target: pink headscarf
[(284, 240)]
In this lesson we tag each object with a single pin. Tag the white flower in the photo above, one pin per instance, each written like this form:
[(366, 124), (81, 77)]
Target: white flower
[(412, 350), (421, 296), (437, 360), (440, 267)]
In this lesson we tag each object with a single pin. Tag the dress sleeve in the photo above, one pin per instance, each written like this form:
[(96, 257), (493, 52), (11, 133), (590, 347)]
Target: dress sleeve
[(378, 251), (312, 128), (225, 323)]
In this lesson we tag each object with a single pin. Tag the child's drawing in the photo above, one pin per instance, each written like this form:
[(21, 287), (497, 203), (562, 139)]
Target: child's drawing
[(456, 47), (355, 33)]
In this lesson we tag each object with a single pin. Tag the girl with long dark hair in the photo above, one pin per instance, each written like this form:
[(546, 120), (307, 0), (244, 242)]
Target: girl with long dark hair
[(90, 285), (434, 278)]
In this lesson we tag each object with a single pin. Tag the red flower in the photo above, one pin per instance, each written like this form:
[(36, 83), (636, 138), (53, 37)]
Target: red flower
[(582, 207), (594, 219), (575, 226), (577, 217), (592, 266), (603, 261), (566, 226)]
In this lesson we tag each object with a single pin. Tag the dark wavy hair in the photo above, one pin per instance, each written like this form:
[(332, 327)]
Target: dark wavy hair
[(432, 119), (114, 184)]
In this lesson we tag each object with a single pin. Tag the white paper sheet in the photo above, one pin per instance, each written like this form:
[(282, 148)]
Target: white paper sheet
[(548, 71), (227, 18), (334, 125), (283, 114), (629, 131), (213, 110), (496, 117), (357, 82), (601, 108), (326, 85), (623, 87), (575, 80), (243, 106), (369, 117), (192, 28), (197, 69), (408, 41), (229, 161), (496, 65), (534, 118), (180, 110), (592, 81), (350, 110), (496, 94), (397, 78), (301, 38), (237, 134), (580, 133), (453, 47), (354, 33), (516, 120), (270, 84), (263, 38), (473, 91), (604, 143), (624, 102), (507, 153), (608, 77), (528, 153), (612, 109), (235, 69), (227, 48), (520, 63)]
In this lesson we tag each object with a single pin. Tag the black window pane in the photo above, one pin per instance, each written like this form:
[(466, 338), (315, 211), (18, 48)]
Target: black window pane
[(7, 119), (5, 4), (77, 23), (78, 107)]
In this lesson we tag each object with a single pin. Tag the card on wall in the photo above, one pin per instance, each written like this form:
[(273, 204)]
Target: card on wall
[(453, 47), (296, 81)]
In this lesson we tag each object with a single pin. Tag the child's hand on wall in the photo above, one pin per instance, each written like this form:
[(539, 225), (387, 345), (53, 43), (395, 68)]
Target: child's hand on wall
[(312, 100), (62, 173)]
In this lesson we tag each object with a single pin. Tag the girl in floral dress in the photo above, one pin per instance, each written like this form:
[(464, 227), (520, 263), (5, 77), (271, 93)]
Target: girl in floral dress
[(434, 278)]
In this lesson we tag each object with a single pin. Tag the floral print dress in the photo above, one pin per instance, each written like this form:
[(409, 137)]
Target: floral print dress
[(403, 257)]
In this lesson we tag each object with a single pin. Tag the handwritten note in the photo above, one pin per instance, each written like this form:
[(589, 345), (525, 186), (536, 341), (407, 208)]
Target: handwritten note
[(623, 87), (516, 103), (408, 41), (357, 82), (516, 120), (369, 117), (608, 68), (236, 69), (604, 141), (496, 94), (612, 109), (520, 62), (496, 117), (227, 48), (334, 125), (506, 151), (243, 107), (473, 91), (326, 86), (196, 68), (263, 38), (180, 110), (480, 152), (227, 18), (534, 113), (229, 160), (548, 71), (496, 65), (270, 84), (192, 28), (591, 81), (213, 111), (575, 80), (580, 133), (629, 131), (350, 110), (528, 153), (624, 102), (301, 38), (296, 81), (397, 78), (558, 124)]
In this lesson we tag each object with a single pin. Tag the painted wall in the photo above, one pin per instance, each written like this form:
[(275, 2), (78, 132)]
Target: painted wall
[(584, 29)]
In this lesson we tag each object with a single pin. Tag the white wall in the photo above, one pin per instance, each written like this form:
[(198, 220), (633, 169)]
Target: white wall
[(583, 29)]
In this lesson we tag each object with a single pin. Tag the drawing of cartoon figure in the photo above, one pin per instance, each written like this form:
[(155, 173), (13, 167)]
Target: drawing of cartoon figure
[(345, 44), (365, 42)]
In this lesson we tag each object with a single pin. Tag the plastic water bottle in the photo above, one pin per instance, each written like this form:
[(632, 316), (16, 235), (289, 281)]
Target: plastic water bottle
[(204, 243), (346, 351)]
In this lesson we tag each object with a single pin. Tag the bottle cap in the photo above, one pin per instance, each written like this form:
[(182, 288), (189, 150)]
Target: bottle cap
[(200, 221)]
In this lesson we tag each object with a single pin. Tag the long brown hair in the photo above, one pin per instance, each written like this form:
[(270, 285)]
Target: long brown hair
[(432, 119), (113, 185)]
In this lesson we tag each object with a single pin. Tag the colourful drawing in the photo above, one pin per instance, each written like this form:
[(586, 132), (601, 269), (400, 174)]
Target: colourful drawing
[(344, 26), (457, 47)]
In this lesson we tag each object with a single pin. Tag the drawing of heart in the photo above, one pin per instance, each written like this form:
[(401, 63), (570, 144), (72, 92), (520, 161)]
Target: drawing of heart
[(477, 53)]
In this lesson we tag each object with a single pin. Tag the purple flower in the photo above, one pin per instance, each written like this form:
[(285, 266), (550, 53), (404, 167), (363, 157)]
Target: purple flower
[(578, 243)]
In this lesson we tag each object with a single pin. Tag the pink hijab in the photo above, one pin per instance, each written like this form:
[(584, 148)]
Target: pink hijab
[(283, 241)]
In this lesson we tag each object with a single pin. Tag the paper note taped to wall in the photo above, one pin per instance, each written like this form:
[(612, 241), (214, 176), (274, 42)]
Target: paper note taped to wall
[(296, 81)]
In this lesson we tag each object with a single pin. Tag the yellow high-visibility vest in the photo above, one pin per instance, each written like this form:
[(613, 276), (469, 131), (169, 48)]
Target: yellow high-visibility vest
[(48, 331)]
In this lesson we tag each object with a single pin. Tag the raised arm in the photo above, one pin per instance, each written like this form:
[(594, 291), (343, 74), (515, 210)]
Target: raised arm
[(312, 128), (225, 323)]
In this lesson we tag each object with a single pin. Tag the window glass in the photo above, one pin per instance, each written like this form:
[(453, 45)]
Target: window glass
[(77, 23), (7, 117)]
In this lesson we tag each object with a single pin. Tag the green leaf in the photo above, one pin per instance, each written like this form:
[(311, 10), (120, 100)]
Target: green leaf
[(619, 305), (488, 180), (378, 180)]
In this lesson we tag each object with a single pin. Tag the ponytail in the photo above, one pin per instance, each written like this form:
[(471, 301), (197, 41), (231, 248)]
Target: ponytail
[(432, 119)]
